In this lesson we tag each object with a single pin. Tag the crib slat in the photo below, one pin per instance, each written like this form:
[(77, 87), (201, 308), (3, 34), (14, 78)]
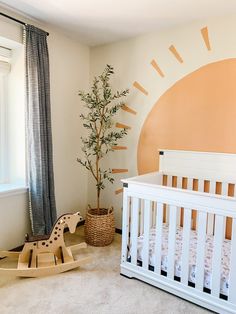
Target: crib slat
[(212, 187), (211, 217), (171, 241), (190, 184), (169, 180), (125, 226), (134, 229), (216, 265), (158, 240), (141, 216), (169, 183), (202, 220), (179, 182), (185, 248), (179, 186), (232, 276), (224, 189), (201, 185), (147, 221), (153, 217), (167, 213)]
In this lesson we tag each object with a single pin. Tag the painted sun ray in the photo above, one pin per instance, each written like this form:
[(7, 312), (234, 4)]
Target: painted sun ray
[(157, 68), (118, 191), (119, 170), (140, 88), (205, 36), (174, 51), (128, 109), (119, 147), (123, 126)]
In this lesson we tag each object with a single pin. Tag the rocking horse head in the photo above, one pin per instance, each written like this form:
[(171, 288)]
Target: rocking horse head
[(71, 220)]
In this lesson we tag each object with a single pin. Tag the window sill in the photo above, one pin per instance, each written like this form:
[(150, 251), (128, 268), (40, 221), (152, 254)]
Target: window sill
[(12, 189)]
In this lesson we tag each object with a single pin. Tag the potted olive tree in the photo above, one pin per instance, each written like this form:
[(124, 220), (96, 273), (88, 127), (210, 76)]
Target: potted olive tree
[(102, 105)]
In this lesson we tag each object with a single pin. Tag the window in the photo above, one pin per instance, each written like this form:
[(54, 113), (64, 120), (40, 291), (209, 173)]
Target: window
[(4, 73), (12, 118)]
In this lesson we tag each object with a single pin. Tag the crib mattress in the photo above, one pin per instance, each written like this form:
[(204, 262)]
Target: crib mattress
[(225, 263)]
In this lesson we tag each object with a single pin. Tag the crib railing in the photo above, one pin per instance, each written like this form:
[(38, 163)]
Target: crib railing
[(201, 185), (144, 208)]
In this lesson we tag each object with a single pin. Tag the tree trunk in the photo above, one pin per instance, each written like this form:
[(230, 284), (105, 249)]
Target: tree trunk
[(98, 188), (98, 201)]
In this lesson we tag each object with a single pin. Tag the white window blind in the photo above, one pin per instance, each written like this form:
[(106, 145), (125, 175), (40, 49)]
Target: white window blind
[(5, 67), (5, 52)]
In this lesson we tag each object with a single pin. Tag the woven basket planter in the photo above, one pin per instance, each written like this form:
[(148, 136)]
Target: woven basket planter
[(99, 228)]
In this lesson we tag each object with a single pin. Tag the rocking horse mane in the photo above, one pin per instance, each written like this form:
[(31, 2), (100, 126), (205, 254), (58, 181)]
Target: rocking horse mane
[(33, 238)]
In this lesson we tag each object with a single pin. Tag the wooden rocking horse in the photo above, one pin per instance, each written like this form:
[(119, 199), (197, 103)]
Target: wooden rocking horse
[(47, 255)]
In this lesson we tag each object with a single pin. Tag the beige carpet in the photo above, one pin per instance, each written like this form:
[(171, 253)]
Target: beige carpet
[(95, 288)]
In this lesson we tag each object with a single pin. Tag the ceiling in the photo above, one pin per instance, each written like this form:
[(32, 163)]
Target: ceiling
[(97, 22)]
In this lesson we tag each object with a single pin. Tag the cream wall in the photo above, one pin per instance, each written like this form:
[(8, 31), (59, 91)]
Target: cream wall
[(69, 67), (131, 60), (15, 220)]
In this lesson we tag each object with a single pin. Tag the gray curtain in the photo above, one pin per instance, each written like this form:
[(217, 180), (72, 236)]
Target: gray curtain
[(39, 135)]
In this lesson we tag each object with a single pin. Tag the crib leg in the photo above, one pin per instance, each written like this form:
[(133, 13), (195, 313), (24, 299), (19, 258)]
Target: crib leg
[(126, 273), (126, 276)]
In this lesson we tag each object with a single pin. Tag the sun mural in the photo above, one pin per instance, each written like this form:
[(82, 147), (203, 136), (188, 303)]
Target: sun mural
[(148, 143), (197, 113)]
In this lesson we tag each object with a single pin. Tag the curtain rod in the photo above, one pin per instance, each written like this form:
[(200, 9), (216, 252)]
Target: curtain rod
[(15, 20)]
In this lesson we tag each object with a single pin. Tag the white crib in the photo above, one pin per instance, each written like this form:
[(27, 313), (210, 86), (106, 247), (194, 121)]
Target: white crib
[(186, 199)]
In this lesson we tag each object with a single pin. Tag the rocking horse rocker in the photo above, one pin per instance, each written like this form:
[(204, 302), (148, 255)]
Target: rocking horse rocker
[(47, 255)]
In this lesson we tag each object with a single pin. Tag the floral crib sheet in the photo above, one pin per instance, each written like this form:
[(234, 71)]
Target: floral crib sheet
[(225, 261)]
